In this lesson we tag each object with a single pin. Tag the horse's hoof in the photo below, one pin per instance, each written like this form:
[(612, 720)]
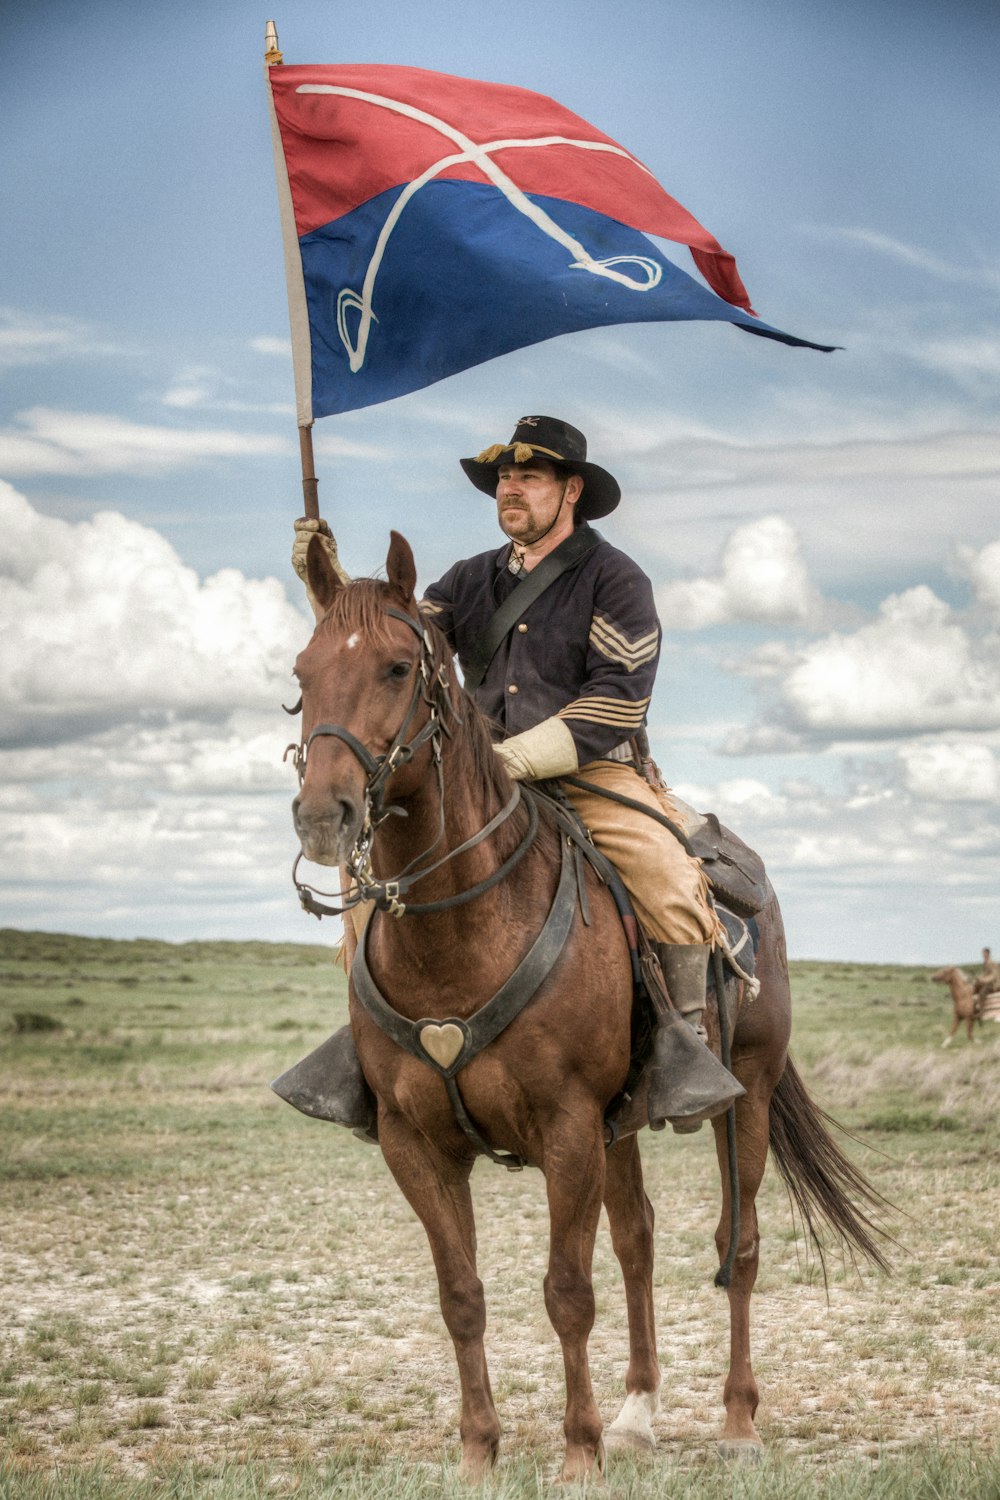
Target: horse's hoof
[(740, 1450), (628, 1441), (582, 1468), (632, 1429), (477, 1462)]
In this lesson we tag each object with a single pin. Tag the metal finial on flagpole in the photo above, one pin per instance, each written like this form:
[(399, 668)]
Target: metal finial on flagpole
[(271, 53)]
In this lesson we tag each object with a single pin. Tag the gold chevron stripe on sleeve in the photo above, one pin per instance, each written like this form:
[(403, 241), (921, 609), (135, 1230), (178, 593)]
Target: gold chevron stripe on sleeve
[(616, 647), (618, 712), (428, 607)]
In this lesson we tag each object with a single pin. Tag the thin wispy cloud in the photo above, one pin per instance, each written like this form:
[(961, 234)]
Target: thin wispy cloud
[(199, 389), (265, 343), (985, 274), (968, 359), (27, 339), (47, 441), (694, 463)]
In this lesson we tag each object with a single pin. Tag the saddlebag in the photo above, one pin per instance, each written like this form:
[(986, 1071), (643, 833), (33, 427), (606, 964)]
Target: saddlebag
[(735, 871)]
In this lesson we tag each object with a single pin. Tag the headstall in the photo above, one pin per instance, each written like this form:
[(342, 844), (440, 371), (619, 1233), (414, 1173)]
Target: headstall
[(432, 688)]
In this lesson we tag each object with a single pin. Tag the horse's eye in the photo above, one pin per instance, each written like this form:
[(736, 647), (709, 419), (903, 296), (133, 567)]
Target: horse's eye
[(400, 669)]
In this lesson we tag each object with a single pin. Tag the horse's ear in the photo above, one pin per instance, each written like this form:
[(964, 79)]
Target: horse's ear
[(400, 567), (323, 579)]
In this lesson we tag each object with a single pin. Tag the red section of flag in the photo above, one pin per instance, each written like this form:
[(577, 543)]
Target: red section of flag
[(341, 151)]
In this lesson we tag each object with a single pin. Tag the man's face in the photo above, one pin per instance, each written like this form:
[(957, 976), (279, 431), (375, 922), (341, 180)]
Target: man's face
[(532, 498)]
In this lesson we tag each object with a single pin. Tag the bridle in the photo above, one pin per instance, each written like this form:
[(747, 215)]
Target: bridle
[(431, 687)]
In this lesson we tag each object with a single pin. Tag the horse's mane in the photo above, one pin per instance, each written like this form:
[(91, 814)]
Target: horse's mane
[(360, 607)]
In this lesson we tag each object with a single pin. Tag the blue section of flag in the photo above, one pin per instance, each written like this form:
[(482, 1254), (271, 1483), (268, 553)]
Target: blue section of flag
[(463, 276)]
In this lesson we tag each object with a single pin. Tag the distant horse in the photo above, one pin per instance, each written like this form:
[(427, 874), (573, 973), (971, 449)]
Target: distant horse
[(398, 775), (964, 1001)]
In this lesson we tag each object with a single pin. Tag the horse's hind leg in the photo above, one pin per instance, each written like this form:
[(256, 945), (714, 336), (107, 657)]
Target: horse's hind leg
[(740, 1395), (630, 1217), (437, 1188), (574, 1182)]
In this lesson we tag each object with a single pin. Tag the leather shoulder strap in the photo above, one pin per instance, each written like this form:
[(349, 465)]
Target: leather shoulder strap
[(576, 547)]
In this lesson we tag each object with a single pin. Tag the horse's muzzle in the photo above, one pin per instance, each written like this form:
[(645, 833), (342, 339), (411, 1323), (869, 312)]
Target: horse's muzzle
[(328, 834)]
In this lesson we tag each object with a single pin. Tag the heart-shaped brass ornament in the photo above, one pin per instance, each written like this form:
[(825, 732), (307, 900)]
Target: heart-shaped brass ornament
[(442, 1043)]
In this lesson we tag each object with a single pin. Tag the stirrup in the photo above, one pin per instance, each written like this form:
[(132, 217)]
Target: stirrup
[(687, 1082), (328, 1084)]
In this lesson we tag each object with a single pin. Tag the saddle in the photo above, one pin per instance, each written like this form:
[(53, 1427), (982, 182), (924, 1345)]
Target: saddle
[(746, 879)]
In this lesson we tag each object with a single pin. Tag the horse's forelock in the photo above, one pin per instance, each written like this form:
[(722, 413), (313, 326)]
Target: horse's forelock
[(359, 608)]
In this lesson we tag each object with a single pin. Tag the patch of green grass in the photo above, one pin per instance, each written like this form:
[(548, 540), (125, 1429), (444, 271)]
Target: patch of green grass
[(911, 1122), (26, 1021), (932, 1471), (152, 1384), (146, 1415)]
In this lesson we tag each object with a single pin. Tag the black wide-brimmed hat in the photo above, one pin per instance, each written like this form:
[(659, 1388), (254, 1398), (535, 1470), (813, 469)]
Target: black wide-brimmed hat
[(548, 437)]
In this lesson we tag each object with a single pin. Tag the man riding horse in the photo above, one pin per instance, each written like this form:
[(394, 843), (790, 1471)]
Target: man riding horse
[(988, 980), (558, 639)]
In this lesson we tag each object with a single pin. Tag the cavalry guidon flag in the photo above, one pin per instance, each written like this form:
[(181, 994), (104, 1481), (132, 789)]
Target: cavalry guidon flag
[(431, 223)]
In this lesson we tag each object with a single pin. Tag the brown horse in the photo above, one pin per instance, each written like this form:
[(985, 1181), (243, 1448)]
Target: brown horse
[(964, 999), (399, 777)]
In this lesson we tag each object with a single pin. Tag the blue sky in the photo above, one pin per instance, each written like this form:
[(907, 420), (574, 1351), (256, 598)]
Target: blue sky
[(823, 530)]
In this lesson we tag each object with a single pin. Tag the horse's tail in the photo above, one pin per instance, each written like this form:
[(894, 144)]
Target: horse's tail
[(822, 1182)]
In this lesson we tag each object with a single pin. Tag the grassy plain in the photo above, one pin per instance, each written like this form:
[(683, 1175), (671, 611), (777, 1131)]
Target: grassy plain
[(208, 1294)]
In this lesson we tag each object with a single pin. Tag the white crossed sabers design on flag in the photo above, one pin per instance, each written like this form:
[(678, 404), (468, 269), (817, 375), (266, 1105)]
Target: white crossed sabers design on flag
[(480, 154)]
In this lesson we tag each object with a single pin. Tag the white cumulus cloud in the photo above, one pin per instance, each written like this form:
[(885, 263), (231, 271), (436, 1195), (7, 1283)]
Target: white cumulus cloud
[(949, 771), (913, 668), (918, 668), (101, 619), (761, 578), (983, 571), (141, 780)]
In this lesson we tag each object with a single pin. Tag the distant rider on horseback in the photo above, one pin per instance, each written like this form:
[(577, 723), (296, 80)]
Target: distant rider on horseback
[(567, 681)]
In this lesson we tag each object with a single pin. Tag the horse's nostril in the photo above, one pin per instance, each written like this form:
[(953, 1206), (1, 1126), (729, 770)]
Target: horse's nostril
[(339, 812)]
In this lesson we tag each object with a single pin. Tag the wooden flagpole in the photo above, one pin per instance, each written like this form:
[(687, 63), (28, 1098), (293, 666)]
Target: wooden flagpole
[(310, 484)]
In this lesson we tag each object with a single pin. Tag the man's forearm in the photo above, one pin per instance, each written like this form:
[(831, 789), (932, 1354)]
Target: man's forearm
[(546, 750)]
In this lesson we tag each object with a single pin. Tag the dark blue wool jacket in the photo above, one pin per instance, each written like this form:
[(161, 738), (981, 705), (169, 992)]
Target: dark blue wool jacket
[(586, 650)]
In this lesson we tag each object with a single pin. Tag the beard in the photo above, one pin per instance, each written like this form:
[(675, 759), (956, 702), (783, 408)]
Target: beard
[(516, 522)]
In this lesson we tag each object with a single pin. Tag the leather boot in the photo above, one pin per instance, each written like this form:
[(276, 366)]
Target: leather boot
[(687, 1084), (329, 1085)]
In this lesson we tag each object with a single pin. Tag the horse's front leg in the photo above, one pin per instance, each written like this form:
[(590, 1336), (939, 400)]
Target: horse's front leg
[(574, 1180), (436, 1185), (630, 1217), (740, 1395)]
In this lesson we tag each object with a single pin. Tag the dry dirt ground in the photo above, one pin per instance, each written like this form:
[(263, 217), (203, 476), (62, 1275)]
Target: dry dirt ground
[(194, 1272), (282, 1321)]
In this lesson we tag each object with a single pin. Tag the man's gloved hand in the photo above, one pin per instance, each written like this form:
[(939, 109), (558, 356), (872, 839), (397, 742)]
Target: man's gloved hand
[(547, 750), (305, 529)]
